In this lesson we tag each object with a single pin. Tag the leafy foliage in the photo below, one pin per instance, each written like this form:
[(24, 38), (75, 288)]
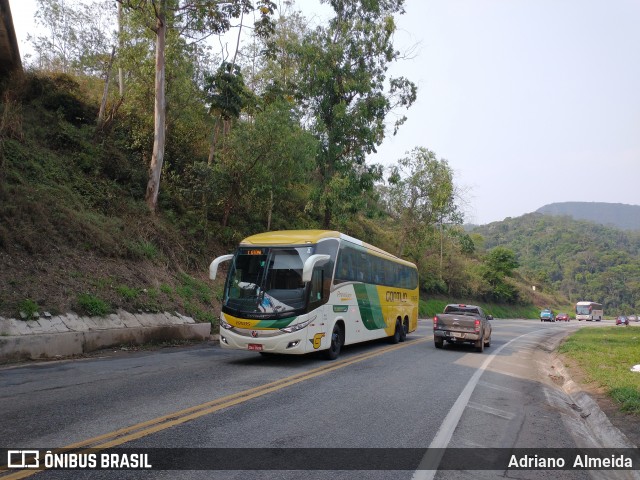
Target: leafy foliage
[(582, 260), (421, 195), (342, 86), (81, 39)]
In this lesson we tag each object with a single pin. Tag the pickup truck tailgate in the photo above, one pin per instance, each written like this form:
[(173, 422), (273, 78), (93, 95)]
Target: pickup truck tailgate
[(457, 323)]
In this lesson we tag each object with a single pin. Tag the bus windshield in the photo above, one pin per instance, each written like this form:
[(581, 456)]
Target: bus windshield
[(583, 310), (267, 280)]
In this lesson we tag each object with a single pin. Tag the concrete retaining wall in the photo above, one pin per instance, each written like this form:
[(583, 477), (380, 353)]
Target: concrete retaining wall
[(71, 334)]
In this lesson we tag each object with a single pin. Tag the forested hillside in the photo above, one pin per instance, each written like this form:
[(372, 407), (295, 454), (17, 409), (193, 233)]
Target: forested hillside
[(582, 260), (618, 215), (123, 173)]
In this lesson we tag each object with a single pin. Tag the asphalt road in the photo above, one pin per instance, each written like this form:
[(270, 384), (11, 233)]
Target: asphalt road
[(376, 397)]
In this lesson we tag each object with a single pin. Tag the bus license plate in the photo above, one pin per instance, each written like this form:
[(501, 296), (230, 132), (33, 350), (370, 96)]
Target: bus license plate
[(456, 334), (257, 347)]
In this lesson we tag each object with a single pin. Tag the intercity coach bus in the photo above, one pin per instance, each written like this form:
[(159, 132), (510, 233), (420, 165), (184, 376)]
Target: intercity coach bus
[(301, 291), (589, 311)]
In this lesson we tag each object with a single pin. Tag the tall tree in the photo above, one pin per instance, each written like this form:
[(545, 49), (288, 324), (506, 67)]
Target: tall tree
[(344, 87), (421, 195), (499, 264), (190, 17), (228, 96)]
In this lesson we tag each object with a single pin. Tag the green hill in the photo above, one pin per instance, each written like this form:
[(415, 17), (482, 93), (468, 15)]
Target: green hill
[(618, 215), (582, 260)]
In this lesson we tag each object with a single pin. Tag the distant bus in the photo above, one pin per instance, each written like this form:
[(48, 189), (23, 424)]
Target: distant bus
[(589, 311), (302, 291)]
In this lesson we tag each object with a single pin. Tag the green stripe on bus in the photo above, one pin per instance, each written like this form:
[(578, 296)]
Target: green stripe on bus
[(280, 323), (369, 306)]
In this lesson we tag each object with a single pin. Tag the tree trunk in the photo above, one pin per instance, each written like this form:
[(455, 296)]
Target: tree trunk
[(214, 140), (270, 213), (230, 202), (326, 222), (157, 158), (441, 247), (105, 93), (120, 47)]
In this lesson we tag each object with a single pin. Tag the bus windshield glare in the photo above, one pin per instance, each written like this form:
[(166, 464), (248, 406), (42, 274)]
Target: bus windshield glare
[(267, 280)]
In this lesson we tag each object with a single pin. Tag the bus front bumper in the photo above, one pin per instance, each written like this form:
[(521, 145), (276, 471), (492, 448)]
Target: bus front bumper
[(290, 343)]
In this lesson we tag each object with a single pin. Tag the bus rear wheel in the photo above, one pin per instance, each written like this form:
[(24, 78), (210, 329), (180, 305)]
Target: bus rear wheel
[(404, 331), (397, 333), (337, 340)]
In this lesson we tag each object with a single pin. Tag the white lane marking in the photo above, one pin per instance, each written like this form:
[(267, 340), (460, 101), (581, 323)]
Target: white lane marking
[(500, 388), (445, 432), (492, 411)]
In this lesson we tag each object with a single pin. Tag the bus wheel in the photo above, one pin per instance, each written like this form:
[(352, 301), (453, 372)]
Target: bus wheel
[(403, 332), (336, 343), (397, 333)]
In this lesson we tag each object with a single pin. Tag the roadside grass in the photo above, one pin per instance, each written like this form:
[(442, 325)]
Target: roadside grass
[(428, 308), (606, 355)]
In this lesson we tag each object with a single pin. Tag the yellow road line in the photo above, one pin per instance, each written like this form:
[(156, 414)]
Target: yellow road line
[(139, 430)]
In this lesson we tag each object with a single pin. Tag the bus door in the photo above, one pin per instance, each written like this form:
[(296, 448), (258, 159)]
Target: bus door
[(318, 330)]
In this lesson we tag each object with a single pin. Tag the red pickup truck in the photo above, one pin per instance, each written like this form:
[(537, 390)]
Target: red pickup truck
[(462, 324)]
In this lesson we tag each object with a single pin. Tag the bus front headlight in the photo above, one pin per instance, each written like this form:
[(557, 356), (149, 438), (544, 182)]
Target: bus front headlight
[(297, 326), (224, 324)]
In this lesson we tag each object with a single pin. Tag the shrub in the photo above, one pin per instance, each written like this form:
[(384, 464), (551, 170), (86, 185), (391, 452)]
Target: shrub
[(127, 293), (93, 305), (29, 308)]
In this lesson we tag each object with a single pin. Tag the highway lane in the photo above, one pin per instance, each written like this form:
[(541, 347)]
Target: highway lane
[(374, 396)]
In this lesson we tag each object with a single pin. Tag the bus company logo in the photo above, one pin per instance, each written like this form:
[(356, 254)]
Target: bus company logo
[(392, 296), (317, 340), (344, 296), (23, 459), (254, 333)]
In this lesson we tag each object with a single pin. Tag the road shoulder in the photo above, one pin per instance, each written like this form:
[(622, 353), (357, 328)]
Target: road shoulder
[(628, 424)]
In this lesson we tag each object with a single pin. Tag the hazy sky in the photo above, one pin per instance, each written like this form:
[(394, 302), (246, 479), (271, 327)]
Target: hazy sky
[(530, 101)]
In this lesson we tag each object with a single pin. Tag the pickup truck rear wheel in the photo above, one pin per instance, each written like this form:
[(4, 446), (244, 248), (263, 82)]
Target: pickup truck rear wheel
[(480, 345), (438, 342)]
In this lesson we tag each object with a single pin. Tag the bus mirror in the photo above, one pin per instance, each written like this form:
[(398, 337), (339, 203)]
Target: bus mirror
[(213, 268), (310, 263)]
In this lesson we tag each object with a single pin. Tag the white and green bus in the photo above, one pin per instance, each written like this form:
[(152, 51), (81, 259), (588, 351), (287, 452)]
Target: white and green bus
[(302, 291), (589, 311)]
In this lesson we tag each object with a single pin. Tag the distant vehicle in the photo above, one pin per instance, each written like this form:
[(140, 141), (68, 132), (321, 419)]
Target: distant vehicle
[(547, 315), (462, 324), (589, 311), (632, 318), (622, 320), (562, 317)]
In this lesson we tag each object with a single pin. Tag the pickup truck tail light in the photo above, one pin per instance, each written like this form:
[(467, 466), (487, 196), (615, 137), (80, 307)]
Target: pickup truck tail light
[(477, 322), (435, 322)]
